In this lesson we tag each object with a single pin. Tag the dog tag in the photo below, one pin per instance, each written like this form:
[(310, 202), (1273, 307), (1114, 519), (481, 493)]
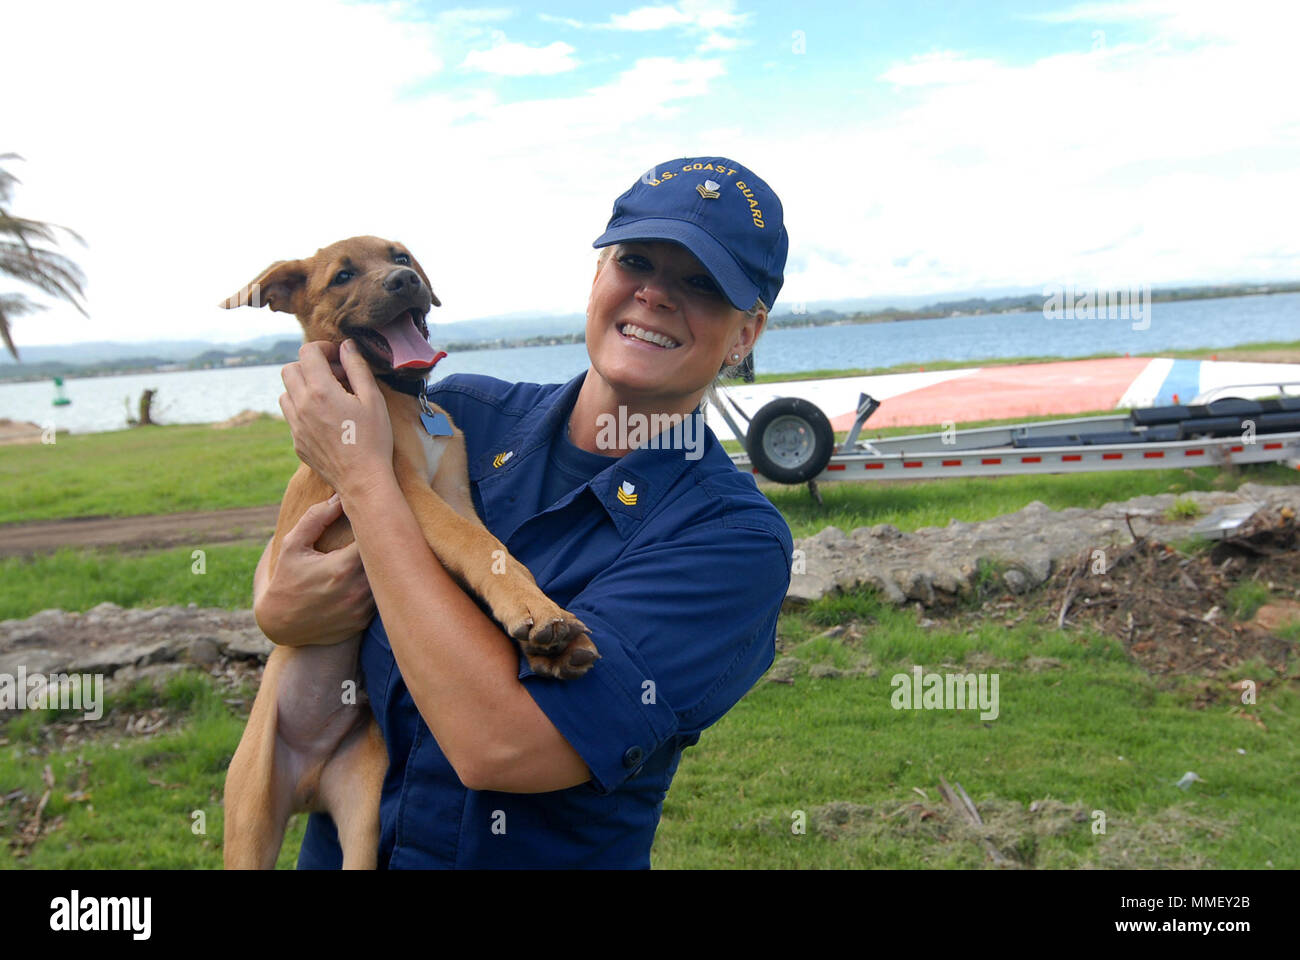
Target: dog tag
[(437, 425)]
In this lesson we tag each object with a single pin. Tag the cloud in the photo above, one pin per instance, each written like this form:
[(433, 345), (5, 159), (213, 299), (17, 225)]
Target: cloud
[(189, 167), (194, 150), (520, 60), (1168, 158), (708, 18), (937, 68)]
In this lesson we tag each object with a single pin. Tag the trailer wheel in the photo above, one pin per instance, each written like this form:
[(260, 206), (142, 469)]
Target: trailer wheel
[(790, 440)]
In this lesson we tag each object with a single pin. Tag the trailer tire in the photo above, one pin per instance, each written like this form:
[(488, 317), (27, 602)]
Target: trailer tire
[(790, 440)]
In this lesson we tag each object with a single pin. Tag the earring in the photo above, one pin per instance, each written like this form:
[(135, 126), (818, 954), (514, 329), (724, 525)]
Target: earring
[(735, 357)]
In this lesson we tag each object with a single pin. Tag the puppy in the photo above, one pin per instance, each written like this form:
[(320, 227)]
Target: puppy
[(305, 748)]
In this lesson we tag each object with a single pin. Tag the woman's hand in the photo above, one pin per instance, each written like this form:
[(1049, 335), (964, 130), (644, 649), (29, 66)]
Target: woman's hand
[(346, 438), (314, 597)]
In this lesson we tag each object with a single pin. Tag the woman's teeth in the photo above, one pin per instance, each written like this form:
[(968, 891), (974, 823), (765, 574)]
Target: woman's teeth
[(658, 339)]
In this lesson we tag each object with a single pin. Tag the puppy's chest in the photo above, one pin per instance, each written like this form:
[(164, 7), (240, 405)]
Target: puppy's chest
[(410, 439), (433, 449)]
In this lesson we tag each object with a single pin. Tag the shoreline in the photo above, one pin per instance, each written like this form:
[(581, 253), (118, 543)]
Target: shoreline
[(784, 321), (23, 432)]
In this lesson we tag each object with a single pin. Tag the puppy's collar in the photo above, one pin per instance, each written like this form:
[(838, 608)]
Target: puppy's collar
[(406, 385)]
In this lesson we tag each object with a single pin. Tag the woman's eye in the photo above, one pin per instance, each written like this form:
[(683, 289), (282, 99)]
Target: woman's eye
[(342, 277), (704, 284), (403, 259), (634, 261)]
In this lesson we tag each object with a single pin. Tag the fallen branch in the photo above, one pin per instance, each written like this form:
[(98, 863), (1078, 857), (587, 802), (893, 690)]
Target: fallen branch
[(966, 810)]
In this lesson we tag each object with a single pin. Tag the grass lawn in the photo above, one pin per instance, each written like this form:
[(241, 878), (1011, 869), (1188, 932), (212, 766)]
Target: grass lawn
[(1080, 729), (1088, 732)]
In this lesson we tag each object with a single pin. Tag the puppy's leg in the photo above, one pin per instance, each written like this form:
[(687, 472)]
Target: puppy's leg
[(350, 787), (258, 797), (276, 754), (556, 643)]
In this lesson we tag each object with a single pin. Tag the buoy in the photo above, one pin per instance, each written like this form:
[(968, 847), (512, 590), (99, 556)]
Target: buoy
[(59, 399), (1175, 399), (921, 369)]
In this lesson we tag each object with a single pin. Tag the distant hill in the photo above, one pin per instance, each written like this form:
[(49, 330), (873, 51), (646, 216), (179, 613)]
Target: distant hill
[(104, 357)]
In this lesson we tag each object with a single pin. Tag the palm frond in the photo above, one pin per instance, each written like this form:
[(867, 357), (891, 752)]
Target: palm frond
[(14, 305), (7, 179), (37, 230), (15, 258), (20, 258)]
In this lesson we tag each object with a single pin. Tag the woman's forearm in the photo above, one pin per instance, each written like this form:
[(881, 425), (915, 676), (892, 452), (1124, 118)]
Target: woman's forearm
[(460, 667)]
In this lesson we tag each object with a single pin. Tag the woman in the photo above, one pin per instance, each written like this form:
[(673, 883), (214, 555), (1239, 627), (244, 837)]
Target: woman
[(671, 556)]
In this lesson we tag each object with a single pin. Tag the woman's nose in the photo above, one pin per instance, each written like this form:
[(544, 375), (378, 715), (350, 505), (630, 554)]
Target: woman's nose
[(654, 294)]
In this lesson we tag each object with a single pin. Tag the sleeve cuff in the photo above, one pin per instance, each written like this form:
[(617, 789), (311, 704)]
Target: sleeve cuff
[(613, 715)]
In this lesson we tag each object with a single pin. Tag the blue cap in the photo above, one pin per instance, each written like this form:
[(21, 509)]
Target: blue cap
[(719, 211)]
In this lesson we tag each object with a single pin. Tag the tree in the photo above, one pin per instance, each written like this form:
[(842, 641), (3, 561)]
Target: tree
[(24, 256)]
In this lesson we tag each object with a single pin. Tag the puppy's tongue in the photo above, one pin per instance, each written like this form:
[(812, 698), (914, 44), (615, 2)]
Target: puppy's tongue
[(409, 349)]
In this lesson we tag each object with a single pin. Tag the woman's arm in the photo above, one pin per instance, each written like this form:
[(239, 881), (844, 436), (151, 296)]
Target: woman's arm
[(460, 667)]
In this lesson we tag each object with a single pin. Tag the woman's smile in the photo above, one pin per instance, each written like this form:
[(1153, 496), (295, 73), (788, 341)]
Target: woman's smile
[(644, 337)]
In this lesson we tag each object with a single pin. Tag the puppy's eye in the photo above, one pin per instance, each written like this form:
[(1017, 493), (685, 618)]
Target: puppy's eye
[(402, 258), (342, 277)]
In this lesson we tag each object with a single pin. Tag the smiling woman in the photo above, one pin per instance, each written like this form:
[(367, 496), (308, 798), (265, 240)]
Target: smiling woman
[(671, 557)]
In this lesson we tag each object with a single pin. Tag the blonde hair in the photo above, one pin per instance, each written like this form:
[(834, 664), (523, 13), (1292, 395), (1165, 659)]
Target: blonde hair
[(727, 370)]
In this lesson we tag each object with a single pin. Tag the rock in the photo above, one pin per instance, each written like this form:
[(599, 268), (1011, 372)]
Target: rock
[(112, 658), (203, 651), (34, 660), (937, 564), (783, 671), (823, 670), (244, 644), (1016, 581), (157, 674)]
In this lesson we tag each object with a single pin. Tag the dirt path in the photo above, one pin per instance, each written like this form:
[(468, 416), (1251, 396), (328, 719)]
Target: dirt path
[(140, 533)]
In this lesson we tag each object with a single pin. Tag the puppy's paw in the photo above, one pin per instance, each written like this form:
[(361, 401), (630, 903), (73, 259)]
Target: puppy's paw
[(543, 628), (573, 660)]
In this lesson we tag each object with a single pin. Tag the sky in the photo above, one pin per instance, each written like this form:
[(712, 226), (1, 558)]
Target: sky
[(917, 147)]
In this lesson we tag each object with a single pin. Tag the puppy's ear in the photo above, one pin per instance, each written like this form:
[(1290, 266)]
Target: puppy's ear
[(425, 277), (279, 287)]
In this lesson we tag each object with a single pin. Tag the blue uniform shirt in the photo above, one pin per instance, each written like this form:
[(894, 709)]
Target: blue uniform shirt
[(680, 579)]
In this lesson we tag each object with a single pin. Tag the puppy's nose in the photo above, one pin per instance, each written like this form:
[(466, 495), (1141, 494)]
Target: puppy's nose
[(401, 279)]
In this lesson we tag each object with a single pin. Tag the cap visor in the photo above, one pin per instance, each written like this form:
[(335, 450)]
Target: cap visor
[(722, 266)]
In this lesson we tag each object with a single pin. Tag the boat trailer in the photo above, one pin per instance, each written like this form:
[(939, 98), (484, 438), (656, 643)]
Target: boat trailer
[(790, 440)]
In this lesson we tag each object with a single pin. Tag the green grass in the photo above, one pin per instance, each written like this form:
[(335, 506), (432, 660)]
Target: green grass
[(814, 746), (1060, 734), (79, 579), (147, 470), (1246, 597), (1183, 509), (130, 802)]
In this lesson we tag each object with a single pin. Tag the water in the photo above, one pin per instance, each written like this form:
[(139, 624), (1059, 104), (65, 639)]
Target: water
[(203, 396)]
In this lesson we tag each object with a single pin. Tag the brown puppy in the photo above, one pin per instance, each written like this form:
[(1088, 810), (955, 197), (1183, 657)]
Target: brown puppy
[(311, 745)]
